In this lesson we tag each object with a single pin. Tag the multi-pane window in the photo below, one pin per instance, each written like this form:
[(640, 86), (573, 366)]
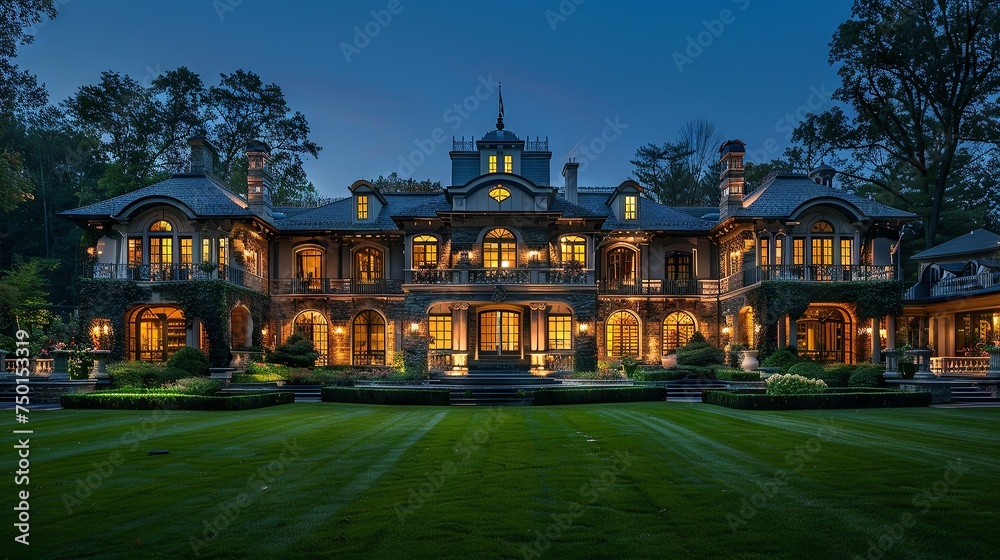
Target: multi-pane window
[(309, 263), (508, 164), (622, 335), (187, 250), (425, 251), (135, 251), (206, 250), (798, 250), (779, 244), (499, 249), (161, 250), (678, 267), (678, 328), (822, 227), (560, 330), (368, 264), (631, 206), (765, 252), (312, 326), (574, 248), (362, 207), (369, 339), (161, 226), (440, 331), (492, 164), (846, 251), (223, 251), (822, 250), (621, 265)]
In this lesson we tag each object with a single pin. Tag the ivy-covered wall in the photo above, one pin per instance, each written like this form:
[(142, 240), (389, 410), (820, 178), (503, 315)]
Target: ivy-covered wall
[(112, 300)]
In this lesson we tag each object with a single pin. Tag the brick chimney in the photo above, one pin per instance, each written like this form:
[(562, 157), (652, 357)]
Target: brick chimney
[(203, 155), (260, 184), (731, 177), (569, 174)]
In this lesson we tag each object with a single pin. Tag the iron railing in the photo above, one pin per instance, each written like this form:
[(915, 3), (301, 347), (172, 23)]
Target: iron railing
[(176, 273), (305, 286), (806, 273), (649, 287), (955, 286), (553, 276)]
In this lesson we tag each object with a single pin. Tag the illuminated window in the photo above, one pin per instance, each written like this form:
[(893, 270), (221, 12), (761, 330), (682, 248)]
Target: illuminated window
[(499, 249), (508, 164), (223, 251), (309, 263), (440, 331), (764, 252), (493, 164), (678, 267), (621, 265), (822, 250), (155, 333), (161, 250), (678, 328), (187, 250), (622, 335), (368, 264), (362, 206), (369, 339), (779, 257), (161, 225), (251, 261), (425, 251), (573, 248), (500, 193), (798, 250), (822, 227), (206, 250), (846, 251), (560, 328), (631, 201), (312, 326), (135, 251)]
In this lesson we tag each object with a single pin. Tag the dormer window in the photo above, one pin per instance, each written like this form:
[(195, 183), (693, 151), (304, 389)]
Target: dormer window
[(493, 164), (362, 207), (631, 206), (508, 164)]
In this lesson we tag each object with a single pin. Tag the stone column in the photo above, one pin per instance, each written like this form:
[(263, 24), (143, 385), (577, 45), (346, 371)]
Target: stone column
[(460, 337)]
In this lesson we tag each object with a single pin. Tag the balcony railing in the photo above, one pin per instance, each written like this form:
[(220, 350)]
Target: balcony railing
[(176, 273), (806, 273), (955, 286), (304, 286), (960, 364), (491, 276), (649, 287)]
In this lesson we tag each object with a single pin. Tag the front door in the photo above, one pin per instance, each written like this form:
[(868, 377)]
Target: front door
[(500, 333)]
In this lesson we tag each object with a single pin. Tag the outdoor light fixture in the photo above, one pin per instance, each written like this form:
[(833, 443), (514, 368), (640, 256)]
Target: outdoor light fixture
[(726, 330), (584, 327), (414, 327), (339, 330)]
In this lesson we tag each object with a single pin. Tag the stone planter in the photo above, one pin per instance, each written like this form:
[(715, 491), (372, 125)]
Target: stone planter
[(100, 364), (223, 374), (922, 359), (892, 364), (669, 361), (748, 360), (60, 365), (993, 370)]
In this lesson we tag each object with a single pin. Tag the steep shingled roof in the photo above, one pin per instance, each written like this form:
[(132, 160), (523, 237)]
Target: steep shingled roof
[(977, 241), (783, 194), (204, 196)]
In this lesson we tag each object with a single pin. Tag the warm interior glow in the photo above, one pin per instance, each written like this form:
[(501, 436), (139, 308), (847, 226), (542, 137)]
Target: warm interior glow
[(726, 330), (504, 264)]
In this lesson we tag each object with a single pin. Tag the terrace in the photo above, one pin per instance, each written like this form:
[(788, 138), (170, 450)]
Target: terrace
[(157, 273)]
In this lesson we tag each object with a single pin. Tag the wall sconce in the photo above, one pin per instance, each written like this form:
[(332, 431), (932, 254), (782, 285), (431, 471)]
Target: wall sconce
[(338, 330), (533, 255), (263, 330), (868, 331), (414, 327), (96, 331), (727, 330), (882, 333), (584, 327)]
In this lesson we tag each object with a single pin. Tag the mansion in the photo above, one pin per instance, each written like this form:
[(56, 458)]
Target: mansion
[(503, 265)]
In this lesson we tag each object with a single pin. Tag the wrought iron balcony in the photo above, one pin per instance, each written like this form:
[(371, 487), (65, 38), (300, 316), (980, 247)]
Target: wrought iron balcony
[(955, 286), (492, 276), (649, 287), (171, 272), (319, 286), (806, 273)]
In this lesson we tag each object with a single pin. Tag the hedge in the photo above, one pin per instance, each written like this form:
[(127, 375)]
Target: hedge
[(587, 395), (747, 400), (371, 395), (151, 401), (726, 374)]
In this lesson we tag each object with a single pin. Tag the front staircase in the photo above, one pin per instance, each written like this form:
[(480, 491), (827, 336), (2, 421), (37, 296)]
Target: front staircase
[(689, 390), (495, 382), (971, 395)]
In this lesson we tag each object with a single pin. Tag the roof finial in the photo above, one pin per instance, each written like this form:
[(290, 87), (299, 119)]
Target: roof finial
[(500, 114)]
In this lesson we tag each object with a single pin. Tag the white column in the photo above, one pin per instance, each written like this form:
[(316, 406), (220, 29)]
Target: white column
[(460, 327)]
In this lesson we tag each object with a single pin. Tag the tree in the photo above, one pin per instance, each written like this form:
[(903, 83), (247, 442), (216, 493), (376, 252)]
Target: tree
[(394, 183), (681, 173), (20, 90), (922, 79)]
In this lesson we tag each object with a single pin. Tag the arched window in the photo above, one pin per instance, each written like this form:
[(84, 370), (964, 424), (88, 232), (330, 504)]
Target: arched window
[(161, 225), (822, 248), (161, 251), (312, 326), (368, 265), (573, 248), (425, 251), (369, 339), (499, 249), (678, 328), (621, 266), (822, 226), (156, 332), (622, 335)]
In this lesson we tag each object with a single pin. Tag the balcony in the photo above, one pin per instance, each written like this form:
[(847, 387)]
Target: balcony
[(320, 286), (155, 273), (955, 286), (493, 276), (806, 273), (649, 287)]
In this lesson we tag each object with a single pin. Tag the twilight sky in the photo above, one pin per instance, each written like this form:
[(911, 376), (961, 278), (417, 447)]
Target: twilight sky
[(381, 90)]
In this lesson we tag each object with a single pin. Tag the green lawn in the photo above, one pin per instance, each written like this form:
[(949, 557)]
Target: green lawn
[(647, 480)]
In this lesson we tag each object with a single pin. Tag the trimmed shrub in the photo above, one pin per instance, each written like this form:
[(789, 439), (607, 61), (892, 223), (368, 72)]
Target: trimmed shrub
[(659, 375), (811, 370), (746, 400), (836, 375), (630, 365), (296, 352), (143, 374), (194, 386), (124, 400), (368, 395), (791, 384), (615, 374), (587, 395), (698, 352), (191, 360), (867, 376), (782, 358), (728, 374)]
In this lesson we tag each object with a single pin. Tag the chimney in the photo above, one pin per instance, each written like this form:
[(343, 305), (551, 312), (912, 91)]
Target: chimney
[(260, 184), (731, 177), (569, 174), (203, 155)]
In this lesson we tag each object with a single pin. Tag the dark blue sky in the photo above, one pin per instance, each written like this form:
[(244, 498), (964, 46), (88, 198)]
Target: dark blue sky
[(594, 76)]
